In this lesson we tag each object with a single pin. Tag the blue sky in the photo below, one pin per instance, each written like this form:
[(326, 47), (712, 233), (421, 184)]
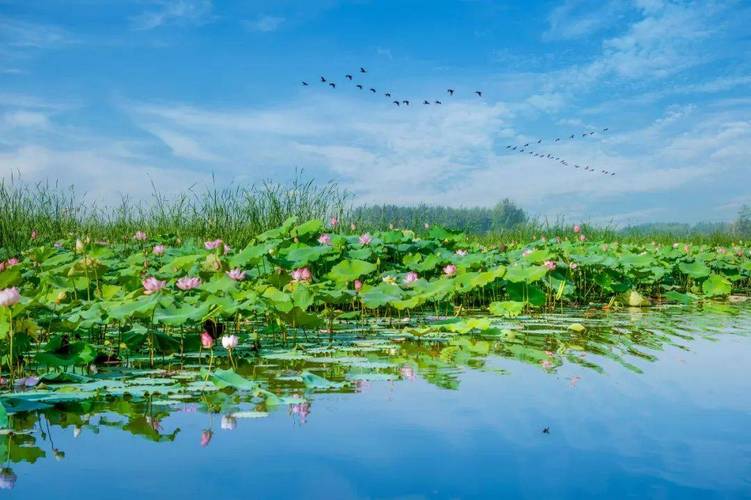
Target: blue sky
[(112, 96)]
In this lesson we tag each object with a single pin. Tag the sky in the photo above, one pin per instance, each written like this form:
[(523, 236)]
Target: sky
[(117, 97)]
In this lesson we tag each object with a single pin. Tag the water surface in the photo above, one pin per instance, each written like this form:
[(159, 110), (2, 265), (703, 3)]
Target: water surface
[(643, 403)]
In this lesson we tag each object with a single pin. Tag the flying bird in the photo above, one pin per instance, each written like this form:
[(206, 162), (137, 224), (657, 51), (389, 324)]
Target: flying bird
[(373, 90), (359, 86), (332, 85), (604, 130), (406, 102), (557, 139), (323, 80), (514, 148), (348, 77), (508, 147), (426, 102), (450, 91), (572, 136), (479, 93), (304, 84), (396, 102), (538, 142), (387, 94), (526, 145), (363, 70), (438, 102)]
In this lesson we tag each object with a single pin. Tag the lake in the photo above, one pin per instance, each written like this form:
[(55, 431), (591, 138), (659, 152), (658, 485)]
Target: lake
[(642, 403)]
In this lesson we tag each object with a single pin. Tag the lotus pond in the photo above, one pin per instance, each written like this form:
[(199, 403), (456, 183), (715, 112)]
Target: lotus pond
[(316, 363)]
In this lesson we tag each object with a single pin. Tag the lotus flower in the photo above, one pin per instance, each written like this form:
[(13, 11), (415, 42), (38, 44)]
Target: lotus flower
[(188, 283), (206, 436), (573, 266), (207, 341), (526, 252), (675, 245), (324, 239), (230, 341), (227, 249), (302, 274), (302, 410), (9, 297), (546, 364), (550, 264), (358, 285), (212, 245), (152, 285), (140, 236), (11, 262), (426, 225), (365, 239), (158, 250), (410, 277), (334, 222), (582, 237), (407, 372), (229, 423), (577, 228), (236, 274), (449, 270)]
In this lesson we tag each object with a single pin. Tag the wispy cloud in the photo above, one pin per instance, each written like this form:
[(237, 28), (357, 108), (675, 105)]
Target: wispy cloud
[(190, 12), (264, 24), (580, 18), (20, 34)]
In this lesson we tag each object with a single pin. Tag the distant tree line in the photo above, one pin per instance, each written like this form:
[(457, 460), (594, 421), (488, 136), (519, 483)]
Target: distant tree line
[(474, 220)]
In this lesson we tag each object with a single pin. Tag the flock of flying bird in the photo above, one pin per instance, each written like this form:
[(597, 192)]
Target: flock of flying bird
[(450, 92)]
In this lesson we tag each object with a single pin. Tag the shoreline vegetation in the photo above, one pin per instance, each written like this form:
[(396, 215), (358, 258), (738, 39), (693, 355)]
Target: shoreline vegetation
[(45, 213)]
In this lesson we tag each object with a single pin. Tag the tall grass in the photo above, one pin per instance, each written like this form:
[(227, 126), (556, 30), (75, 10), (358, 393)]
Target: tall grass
[(238, 213), (235, 213)]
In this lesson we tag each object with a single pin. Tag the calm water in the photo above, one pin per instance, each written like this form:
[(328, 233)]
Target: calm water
[(643, 404)]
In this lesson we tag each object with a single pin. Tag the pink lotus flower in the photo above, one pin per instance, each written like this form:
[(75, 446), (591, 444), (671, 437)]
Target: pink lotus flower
[(365, 239), (577, 228), (358, 285), (230, 341), (573, 266), (152, 285), (207, 341), (546, 364), (212, 245), (686, 248), (158, 250), (582, 237), (722, 250), (334, 222), (302, 274), (236, 274), (140, 236), (206, 436), (410, 277), (449, 270), (407, 372), (461, 253), (302, 410), (550, 264), (11, 262), (9, 297), (324, 239), (227, 249), (188, 283)]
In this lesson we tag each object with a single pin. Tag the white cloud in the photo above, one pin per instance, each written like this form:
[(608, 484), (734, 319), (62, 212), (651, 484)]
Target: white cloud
[(192, 12), (22, 118), (580, 18), (264, 24)]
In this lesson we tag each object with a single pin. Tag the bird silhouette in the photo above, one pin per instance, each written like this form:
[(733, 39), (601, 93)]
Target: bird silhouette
[(426, 102), (363, 70), (348, 77), (526, 145), (373, 90), (387, 94), (557, 139), (572, 136), (508, 147), (359, 86), (305, 84), (584, 135), (332, 85), (604, 130), (396, 102), (612, 173), (450, 91), (323, 80), (514, 148), (438, 102), (406, 102), (479, 93), (538, 142)]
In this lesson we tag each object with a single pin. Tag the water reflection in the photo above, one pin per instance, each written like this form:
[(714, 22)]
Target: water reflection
[(139, 402)]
